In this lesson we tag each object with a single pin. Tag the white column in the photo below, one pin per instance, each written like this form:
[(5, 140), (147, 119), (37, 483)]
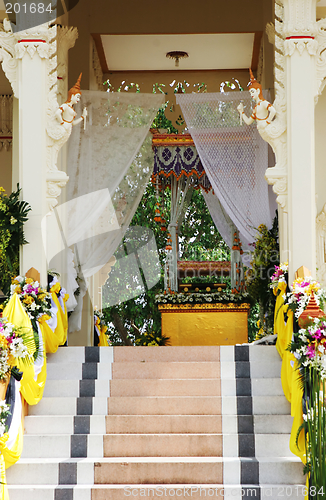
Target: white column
[(32, 73), (283, 234), (300, 50)]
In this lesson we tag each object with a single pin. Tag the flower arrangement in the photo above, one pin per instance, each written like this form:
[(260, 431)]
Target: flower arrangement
[(201, 298), (35, 299), (309, 348), (280, 275), (4, 413), (297, 299), (14, 347)]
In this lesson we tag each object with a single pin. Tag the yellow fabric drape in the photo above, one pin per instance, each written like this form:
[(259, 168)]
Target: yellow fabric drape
[(51, 341), (296, 412), (288, 358), (279, 324), (103, 341), (3, 480), (12, 455), (62, 322), (289, 372)]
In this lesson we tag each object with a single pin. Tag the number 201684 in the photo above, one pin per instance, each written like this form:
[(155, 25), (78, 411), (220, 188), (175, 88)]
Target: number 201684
[(30, 8)]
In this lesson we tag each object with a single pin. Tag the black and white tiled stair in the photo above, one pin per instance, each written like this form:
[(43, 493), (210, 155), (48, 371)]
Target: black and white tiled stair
[(64, 432), (256, 424)]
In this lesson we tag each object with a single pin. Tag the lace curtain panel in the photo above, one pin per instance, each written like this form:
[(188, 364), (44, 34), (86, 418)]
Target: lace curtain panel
[(235, 158), (109, 166)]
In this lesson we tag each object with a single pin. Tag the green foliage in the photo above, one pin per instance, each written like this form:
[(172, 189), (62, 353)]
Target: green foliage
[(162, 122), (264, 257), (199, 238), (253, 320), (151, 338), (13, 215)]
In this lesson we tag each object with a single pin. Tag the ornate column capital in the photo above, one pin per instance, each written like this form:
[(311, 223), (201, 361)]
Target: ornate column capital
[(14, 46), (299, 19), (291, 44), (300, 27), (7, 56), (35, 40)]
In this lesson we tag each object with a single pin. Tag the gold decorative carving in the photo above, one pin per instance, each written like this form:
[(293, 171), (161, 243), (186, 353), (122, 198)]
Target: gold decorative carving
[(229, 307)]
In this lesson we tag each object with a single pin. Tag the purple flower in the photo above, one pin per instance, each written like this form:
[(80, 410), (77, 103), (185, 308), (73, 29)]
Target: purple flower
[(311, 351), (318, 335)]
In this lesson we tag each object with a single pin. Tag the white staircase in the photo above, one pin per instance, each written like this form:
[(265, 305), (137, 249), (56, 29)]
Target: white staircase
[(179, 421)]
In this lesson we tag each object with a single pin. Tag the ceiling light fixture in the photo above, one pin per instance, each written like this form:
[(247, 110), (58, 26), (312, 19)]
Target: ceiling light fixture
[(177, 55)]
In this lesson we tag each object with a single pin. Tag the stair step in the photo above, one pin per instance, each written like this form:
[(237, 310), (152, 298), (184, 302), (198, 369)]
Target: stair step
[(74, 371), (76, 354), (67, 406), (201, 470), (166, 370), (62, 424), (119, 492), (197, 405), (71, 388), (63, 446), (264, 353), (45, 471), (147, 424), (160, 470), (170, 353), (272, 445), (235, 492), (200, 387), (209, 405), (163, 445), (47, 492), (270, 424)]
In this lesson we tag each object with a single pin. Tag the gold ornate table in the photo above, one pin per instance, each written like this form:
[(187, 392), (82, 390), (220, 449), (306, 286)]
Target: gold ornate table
[(205, 324)]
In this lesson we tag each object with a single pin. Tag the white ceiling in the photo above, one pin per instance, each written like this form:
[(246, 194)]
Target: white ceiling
[(206, 51)]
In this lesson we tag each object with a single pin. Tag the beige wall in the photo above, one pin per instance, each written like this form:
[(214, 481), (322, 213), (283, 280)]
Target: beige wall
[(320, 121), (5, 170), (130, 17)]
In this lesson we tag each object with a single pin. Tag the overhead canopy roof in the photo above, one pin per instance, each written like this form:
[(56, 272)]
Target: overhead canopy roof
[(206, 51)]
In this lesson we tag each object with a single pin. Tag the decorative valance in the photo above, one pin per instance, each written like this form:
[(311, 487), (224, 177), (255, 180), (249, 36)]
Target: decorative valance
[(176, 155)]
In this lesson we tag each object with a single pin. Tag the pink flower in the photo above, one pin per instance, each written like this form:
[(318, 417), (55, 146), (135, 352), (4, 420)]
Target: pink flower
[(318, 335), (310, 351)]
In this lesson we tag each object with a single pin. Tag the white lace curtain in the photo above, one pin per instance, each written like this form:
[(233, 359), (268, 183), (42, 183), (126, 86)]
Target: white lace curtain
[(235, 159), (109, 166)]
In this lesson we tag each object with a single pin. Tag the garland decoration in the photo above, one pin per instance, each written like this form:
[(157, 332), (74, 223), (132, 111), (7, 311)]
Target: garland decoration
[(201, 298), (303, 372)]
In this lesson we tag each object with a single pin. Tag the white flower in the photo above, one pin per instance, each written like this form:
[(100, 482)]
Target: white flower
[(2, 428), (18, 349)]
